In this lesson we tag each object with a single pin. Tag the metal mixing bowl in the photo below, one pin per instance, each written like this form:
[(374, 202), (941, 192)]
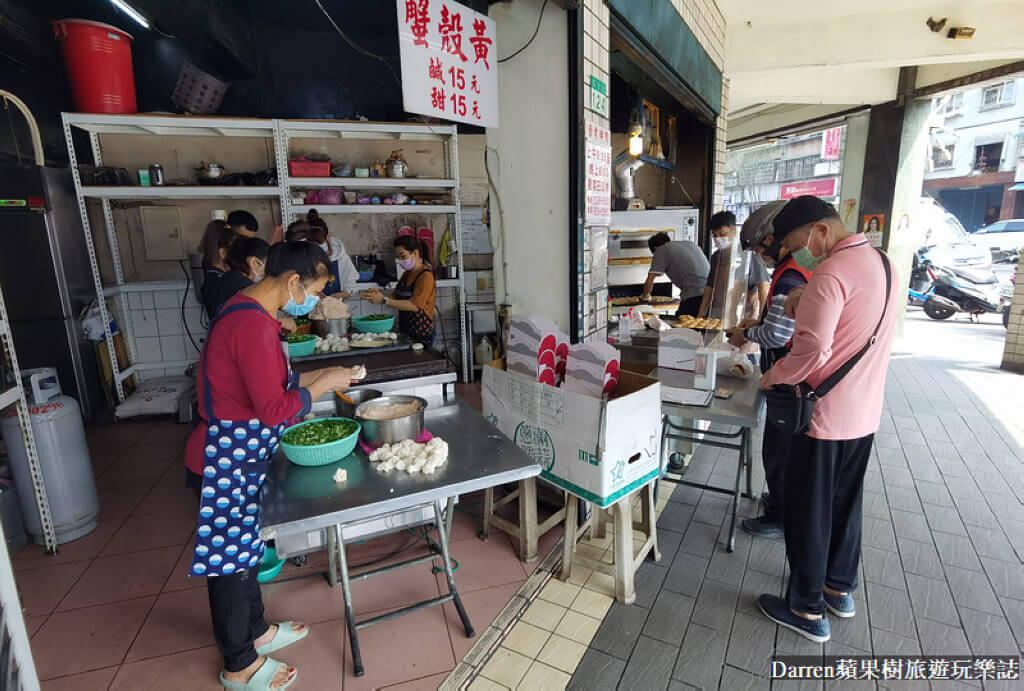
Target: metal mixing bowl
[(324, 327), (377, 432), (346, 409)]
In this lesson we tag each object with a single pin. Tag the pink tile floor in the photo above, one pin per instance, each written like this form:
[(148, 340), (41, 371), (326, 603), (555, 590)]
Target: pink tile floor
[(116, 610)]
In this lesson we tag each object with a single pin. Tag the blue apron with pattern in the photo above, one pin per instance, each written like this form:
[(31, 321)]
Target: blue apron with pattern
[(237, 459)]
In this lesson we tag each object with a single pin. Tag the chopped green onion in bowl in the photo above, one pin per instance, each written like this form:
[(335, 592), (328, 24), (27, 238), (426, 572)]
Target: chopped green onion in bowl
[(320, 432)]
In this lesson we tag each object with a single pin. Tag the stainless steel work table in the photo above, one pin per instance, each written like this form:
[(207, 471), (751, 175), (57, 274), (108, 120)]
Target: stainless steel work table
[(744, 409), (299, 499)]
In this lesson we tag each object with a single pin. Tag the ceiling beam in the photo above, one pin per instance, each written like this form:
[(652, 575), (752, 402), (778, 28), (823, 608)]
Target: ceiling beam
[(810, 38), (973, 78)]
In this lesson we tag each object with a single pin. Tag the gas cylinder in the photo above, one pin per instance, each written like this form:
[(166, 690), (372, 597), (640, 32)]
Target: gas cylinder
[(63, 458)]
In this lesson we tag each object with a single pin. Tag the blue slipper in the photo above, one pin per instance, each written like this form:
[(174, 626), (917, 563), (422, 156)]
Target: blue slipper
[(841, 605), (285, 636), (777, 609), (260, 681)]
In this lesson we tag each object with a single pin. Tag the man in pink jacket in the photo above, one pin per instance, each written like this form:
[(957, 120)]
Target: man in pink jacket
[(844, 303)]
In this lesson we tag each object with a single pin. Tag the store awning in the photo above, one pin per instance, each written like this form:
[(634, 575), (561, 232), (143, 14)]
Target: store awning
[(1019, 187)]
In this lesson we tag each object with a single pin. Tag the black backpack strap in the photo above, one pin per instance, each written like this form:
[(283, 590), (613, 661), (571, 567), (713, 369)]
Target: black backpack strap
[(838, 375)]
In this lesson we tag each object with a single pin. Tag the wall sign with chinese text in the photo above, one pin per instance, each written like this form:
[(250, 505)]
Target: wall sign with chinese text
[(830, 140), (816, 188), (598, 178), (598, 96), (449, 61)]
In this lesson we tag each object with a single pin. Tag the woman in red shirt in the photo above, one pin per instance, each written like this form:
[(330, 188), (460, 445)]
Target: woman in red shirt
[(246, 395)]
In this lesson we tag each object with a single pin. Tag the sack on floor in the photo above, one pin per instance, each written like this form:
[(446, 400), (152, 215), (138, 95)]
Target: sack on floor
[(157, 397)]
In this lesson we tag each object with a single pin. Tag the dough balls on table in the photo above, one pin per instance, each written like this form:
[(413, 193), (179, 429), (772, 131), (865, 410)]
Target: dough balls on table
[(411, 457)]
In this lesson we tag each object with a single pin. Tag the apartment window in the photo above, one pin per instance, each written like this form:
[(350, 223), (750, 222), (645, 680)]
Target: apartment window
[(942, 157), (997, 95), (950, 105), (987, 157)]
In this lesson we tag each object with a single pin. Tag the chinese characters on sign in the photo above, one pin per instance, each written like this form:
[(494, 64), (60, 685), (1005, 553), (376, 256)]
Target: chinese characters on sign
[(449, 61), (817, 188), (598, 180), (898, 668), (830, 140)]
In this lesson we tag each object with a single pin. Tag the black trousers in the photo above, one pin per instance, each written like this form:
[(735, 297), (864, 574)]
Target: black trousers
[(822, 514), (775, 448), (236, 607), (689, 306)]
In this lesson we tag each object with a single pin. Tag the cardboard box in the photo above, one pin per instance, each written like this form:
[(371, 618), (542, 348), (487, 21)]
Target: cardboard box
[(677, 349), (533, 346), (597, 450)]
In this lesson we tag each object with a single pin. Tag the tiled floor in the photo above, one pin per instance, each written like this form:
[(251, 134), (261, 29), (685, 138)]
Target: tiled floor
[(941, 571), (943, 556), (116, 608)]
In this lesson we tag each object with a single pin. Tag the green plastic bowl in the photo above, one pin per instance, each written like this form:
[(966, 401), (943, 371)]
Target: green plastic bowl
[(270, 567), (303, 348), (373, 326), (321, 454)]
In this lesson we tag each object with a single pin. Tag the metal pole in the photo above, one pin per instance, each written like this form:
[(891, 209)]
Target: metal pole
[(94, 265), (350, 617), (27, 436), (442, 531)]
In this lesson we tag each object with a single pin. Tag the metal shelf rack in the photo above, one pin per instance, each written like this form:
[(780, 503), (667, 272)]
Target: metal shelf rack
[(15, 395), (280, 132), (149, 125), (446, 135)]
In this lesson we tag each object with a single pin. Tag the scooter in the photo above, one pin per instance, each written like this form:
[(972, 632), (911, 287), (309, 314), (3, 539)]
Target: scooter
[(921, 284), (962, 290)]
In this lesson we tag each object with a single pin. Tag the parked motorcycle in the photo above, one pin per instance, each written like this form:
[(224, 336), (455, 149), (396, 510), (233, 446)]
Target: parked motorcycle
[(962, 289), (921, 284)]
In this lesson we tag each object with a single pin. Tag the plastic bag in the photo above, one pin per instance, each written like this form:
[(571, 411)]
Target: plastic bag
[(92, 323), (330, 196), (735, 364)]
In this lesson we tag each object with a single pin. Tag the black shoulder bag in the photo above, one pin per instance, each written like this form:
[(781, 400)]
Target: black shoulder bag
[(789, 408)]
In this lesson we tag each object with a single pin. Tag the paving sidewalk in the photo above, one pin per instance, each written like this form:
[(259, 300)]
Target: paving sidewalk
[(943, 549)]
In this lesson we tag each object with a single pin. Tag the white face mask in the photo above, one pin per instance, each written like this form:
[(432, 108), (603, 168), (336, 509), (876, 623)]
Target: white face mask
[(326, 247), (723, 242)]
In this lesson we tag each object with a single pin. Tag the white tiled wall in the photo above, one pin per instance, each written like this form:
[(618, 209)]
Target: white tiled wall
[(160, 332)]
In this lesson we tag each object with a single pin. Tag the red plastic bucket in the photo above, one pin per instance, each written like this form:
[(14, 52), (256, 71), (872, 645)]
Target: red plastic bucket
[(99, 61)]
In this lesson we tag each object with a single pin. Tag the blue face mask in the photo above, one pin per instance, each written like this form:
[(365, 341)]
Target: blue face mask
[(305, 308)]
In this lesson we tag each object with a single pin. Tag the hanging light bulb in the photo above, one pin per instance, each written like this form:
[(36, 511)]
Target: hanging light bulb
[(636, 137)]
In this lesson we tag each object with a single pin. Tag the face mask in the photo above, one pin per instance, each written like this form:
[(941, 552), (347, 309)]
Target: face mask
[(805, 259), (722, 243), (305, 308), (407, 264), (258, 273), (326, 247)]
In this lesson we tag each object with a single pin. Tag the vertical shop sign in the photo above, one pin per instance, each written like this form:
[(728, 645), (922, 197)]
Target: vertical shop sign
[(449, 61), (598, 179), (598, 96), (830, 144)]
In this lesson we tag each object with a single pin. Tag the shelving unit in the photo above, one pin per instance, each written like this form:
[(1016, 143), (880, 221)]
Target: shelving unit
[(181, 192), (279, 132), (149, 125), (446, 135), (15, 395)]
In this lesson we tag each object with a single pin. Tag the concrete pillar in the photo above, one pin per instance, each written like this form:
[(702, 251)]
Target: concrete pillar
[(1013, 349), (854, 157), (913, 156)]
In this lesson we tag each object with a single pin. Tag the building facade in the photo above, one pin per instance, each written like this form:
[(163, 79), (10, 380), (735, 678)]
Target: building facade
[(975, 153)]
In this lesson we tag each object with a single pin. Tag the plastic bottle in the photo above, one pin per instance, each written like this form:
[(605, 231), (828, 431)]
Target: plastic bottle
[(484, 352)]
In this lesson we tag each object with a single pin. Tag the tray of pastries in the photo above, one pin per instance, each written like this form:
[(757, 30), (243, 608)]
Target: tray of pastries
[(688, 322)]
